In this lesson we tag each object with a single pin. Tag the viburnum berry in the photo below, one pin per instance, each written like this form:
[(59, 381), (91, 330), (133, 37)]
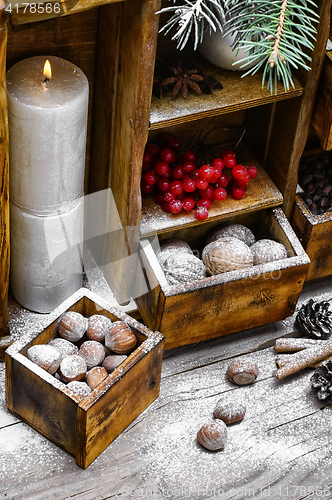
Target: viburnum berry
[(238, 193), (146, 188), (252, 171), (230, 161), (189, 185), (223, 180), (175, 206), (201, 183), (216, 175), (189, 167), (175, 144), (154, 149), (165, 206), (162, 168), (228, 153), (168, 196), (168, 136), (189, 156), (151, 176), (176, 187), (167, 155), (206, 172), (159, 198), (239, 172), (204, 202), (243, 182), (181, 196), (207, 193), (164, 184), (219, 163), (201, 213), (178, 172), (220, 194), (188, 204)]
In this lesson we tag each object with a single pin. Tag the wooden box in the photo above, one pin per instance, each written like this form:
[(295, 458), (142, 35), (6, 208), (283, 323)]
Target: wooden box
[(322, 113), (85, 427), (228, 302), (315, 234)]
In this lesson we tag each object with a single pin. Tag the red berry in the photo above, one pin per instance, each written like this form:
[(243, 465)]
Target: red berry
[(189, 156), (228, 153), (220, 194), (175, 144), (219, 163), (206, 172), (168, 196), (154, 149), (147, 157), (159, 198), (168, 174), (207, 193), (175, 206), (189, 185), (181, 196), (188, 204), (162, 168), (201, 183), (165, 206), (230, 161), (223, 180), (168, 136), (151, 176), (204, 202), (164, 184), (239, 172), (178, 172), (201, 213), (241, 183), (237, 193), (167, 155), (216, 175), (146, 188), (179, 158), (176, 188), (252, 170), (189, 167), (196, 173)]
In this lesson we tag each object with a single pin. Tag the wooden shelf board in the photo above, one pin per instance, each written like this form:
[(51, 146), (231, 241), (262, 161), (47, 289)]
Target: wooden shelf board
[(261, 193), (237, 94)]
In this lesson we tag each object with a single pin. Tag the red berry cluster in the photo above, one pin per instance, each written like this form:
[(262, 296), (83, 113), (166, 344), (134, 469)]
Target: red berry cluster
[(177, 183)]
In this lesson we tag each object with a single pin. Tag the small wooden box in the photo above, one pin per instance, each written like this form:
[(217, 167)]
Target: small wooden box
[(85, 427), (229, 302), (315, 234), (322, 113)]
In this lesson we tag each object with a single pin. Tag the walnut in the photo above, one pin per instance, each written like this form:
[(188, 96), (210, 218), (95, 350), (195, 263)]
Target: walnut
[(183, 268), (238, 231), (226, 254)]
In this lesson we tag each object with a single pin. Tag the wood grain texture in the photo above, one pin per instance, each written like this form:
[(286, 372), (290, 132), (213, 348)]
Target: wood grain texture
[(322, 115), (315, 234), (31, 12), (229, 302), (4, 185)]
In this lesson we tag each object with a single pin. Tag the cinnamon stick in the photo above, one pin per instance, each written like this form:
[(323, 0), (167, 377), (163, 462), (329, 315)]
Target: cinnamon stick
[(283, 359), (296, 344), (305, 358)]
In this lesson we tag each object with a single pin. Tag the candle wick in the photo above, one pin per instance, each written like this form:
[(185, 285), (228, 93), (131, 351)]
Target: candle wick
[(46, 80)]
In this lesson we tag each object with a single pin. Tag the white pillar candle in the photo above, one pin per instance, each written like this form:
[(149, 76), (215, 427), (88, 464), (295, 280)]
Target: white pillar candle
[(47, 134), (47, 127)]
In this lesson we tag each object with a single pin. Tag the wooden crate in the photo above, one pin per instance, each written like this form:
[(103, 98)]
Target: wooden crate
[(322, 113), (83, 428), (228, 302), (315, 234)]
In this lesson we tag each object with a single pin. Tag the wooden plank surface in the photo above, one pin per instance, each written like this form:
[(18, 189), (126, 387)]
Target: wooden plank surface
[(282, 448), (260, 193), (4, 185)]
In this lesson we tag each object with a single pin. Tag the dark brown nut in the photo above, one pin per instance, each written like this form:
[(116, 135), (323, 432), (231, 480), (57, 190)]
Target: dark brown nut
[(328, 189), (325, 203), (95, 376), (45, 356), (213, 435), (320, 184), (242, 372), (306, 179), (318, 174), (120, 338), (310, 189), (229, 412), (318, 195)]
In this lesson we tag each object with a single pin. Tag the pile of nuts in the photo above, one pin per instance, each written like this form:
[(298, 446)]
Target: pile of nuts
[(315, 178)]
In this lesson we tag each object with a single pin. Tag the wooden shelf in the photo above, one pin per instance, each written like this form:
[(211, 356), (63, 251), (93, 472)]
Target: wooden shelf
[(261, 193), (237, 94)]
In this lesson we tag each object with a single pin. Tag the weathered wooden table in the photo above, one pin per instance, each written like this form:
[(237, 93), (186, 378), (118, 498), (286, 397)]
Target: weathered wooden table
[(281, 450)]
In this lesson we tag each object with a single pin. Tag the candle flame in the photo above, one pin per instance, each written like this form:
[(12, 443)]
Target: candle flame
[(47, 70)]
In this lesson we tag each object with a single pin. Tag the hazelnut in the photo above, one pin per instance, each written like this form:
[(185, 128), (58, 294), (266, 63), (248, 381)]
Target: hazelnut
[(213, 435), (93, 352), (229, 412), (45, 356), (120, 338), (97, 327), (72, 368), (81, 389), (242, 372), (95, 376), (65, 347), (113, 361), (72, 326)]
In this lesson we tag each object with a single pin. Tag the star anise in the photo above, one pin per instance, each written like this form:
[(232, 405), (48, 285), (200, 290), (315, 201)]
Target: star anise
[(184, 80), (209, 84)]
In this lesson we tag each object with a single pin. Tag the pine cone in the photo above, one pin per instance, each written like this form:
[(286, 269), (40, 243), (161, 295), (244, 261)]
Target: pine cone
[(321, 382), (313, 319)]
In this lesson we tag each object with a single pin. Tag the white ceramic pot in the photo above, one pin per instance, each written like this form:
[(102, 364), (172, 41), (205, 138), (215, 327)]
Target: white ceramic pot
[(218, 51)]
